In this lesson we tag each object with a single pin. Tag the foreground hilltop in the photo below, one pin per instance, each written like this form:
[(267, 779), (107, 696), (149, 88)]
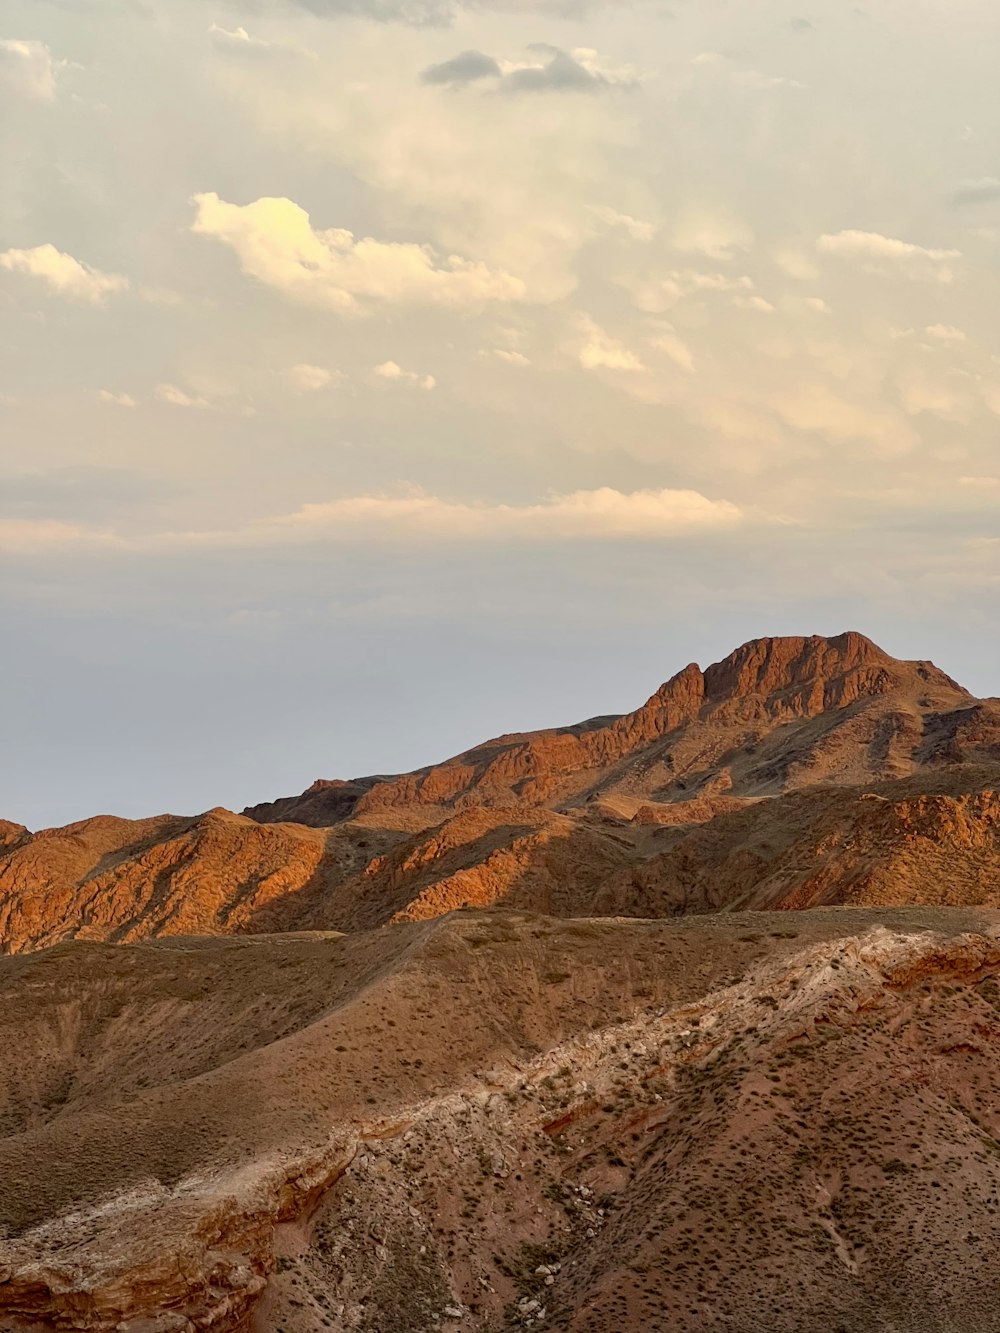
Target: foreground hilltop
[(796, 772), (497, 1121)]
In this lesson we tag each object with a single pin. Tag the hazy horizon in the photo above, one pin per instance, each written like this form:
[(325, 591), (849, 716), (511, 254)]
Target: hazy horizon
[(382, 375)]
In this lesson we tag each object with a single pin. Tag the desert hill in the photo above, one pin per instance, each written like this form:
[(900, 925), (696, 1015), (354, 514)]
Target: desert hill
[(776, 715), (498, 1121), (755, 783)]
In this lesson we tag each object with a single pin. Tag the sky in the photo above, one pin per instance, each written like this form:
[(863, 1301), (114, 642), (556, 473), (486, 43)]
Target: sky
[(381, 375)]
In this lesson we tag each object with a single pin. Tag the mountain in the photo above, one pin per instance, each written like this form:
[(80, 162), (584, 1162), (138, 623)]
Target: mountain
[(746, 784), (500, 1121), (776, 715)]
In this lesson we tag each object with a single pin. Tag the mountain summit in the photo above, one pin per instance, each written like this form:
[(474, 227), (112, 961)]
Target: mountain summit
[(702, 731)]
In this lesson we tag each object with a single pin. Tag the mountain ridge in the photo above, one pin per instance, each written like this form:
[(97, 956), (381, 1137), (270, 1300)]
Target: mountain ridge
[(625, 814), (761, 684)]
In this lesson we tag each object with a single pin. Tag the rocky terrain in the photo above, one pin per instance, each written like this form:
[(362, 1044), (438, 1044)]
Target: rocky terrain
[(500, 1121), (795, 772), (687, 1019)]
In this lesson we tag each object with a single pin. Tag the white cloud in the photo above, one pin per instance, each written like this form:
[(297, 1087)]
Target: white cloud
[(36, 536), (601, 513), (307, 378), (946, 333), (885, 254), (119, 399), (236, 37), (170, 393), (276, 244), (754, 303), (65, 275), (656, 292), (921, 390), (389, 370), (817, 408), (612, 219), (796, 264), (512, 358), (817, 304), (237, 41), (705, 233), (597, 350), (676, 349), (27, 67)]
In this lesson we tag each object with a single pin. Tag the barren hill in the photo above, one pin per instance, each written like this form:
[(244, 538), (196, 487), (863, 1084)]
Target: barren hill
[(499, 1121), (776, 715), (746, 785)]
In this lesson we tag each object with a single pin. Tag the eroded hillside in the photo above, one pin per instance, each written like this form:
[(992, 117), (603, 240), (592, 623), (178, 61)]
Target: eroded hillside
[(498, 1121)]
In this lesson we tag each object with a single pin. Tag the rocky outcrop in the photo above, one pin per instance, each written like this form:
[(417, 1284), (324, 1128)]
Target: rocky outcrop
[(931, 840)]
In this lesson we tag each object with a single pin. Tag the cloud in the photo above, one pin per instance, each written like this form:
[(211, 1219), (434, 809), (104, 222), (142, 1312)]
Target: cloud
[(921, 390), (985, 190), (705, 233), (741, 75), (675, 348), (543, 69), (885, 254), (65, 275), (754, 303), (796, 264), (601, 514), (818, 304), (419, 13), (275, 243), (25, 536), (657, 292), (597, 350), (239, 42), (554, 70), (946, 333), (28, 69), (611, 218), (170, 393), (466, 67), (438, 13), (307, 378), (389, 370), (513, 358), (119, 399), (818, 409)]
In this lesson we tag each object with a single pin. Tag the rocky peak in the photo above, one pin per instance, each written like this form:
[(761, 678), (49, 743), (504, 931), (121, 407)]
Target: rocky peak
[(797, 676)]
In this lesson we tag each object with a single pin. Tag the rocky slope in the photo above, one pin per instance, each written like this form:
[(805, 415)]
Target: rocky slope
[(933, 838), (498, 1121), (743, 785)]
